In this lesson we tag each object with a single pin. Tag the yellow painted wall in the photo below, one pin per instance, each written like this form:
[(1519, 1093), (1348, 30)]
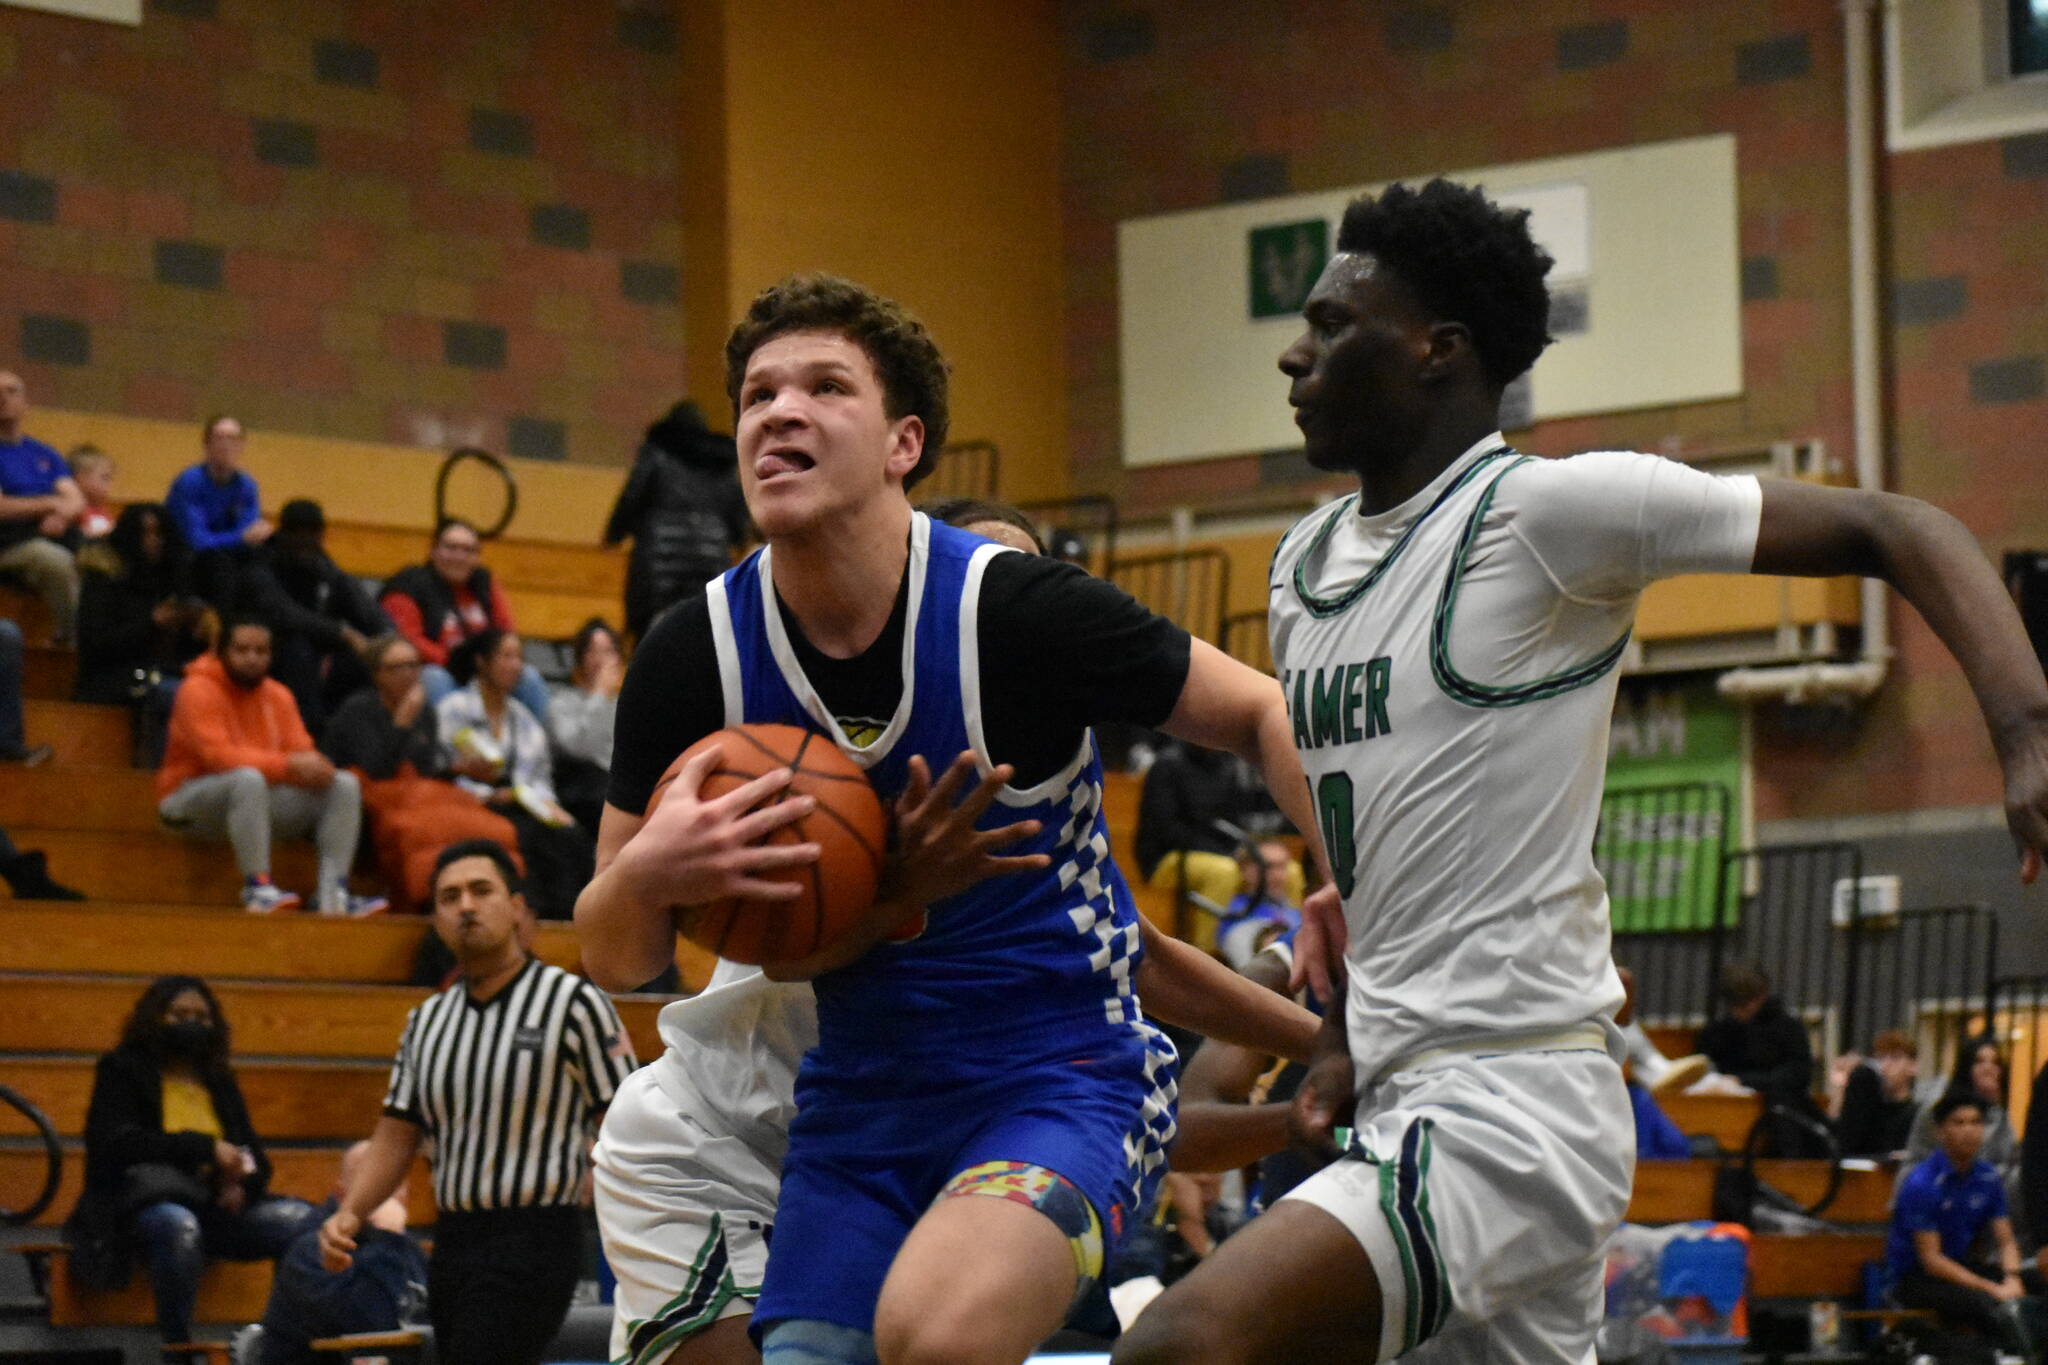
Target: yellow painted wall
[(913, 147), (381, 485)]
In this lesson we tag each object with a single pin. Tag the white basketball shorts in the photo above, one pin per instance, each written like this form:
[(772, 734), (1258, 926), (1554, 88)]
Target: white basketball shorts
[(1483, 1188), (684, 1211)]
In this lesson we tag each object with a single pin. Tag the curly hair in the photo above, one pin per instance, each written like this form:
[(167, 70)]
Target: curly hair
[(144, 1028), (906, 359), (1466, 259)]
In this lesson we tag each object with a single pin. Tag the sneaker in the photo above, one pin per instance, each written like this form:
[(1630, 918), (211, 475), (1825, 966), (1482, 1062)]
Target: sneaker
[(262, 896), (1682, 1074), (353, 907)]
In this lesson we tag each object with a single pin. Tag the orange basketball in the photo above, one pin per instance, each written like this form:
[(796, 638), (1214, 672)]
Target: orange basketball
[(848, 826)]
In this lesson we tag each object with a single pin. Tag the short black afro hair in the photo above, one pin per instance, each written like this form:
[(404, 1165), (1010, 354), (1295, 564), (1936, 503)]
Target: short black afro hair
[(1466, 259)]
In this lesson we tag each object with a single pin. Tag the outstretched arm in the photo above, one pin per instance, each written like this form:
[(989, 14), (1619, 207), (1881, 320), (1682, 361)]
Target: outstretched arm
[(1185, 987), (1937, 565)]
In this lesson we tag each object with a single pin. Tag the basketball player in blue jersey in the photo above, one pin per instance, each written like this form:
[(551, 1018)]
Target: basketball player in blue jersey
[(1483, 599), (987, 1105)]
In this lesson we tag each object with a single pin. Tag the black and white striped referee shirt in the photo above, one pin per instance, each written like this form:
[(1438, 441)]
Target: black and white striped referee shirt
[(509, 1091)]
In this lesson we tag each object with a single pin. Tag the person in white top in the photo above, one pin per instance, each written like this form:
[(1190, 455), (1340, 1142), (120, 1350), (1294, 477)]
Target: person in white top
[(1447, 639)]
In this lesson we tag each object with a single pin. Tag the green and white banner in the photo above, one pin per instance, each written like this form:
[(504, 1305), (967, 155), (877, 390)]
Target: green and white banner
[(1673, 804)]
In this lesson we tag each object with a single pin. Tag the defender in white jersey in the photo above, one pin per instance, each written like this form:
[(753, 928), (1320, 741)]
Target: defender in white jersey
[(1447, 638)]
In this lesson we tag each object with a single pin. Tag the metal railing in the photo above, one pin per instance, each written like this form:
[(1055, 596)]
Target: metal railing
[(1191, 588), (1782, 899), (1931, 972), (1088, 521)]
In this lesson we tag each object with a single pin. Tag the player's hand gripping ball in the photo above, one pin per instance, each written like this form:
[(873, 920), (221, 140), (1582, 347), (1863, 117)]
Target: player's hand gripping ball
[(848, 826)]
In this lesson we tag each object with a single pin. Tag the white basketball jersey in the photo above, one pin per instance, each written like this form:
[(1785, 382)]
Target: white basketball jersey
[(1449, 668), (732, 1053)]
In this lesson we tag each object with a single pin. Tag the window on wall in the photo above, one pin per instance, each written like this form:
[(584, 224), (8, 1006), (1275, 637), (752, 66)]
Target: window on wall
[(1964, 70), (2027, 36)]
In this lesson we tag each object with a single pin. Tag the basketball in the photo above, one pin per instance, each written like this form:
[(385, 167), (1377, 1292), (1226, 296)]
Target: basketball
[(848, 826)]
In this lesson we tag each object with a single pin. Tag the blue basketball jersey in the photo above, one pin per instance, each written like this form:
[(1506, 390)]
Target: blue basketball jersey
[(1035, 957)]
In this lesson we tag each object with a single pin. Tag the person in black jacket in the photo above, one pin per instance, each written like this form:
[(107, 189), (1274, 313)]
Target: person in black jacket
[(1759, 1043), (139, 621), (174, 1171), (682, 508), (1191, 811), (1877, 1102), (320, 617)]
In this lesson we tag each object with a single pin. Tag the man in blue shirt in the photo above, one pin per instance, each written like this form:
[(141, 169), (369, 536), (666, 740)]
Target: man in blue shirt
[(38, 501), (1944, 1206), (218, 509)]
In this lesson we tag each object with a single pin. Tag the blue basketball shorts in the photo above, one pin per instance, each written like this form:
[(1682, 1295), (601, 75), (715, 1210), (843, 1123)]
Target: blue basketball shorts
[(874, 1143)]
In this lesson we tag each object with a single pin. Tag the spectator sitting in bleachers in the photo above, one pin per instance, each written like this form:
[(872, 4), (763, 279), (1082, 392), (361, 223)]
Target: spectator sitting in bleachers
[(1980, 1071), (239, 762), (1657, 1137), (27, 874), (389, 737), (14, 745), (449, 600), (580, 716), (219, 510), (1874, 1105), (307, 1302), (38, 500), (1267, 906), (1190, 814), (1758, 1043), (92, 469), (1946, 1205), (499, 750), (320, 617), (174, 1169), (139, 622)]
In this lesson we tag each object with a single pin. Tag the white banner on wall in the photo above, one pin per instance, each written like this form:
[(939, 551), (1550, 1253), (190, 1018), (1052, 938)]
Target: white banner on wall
[(1645, 297), (113, 11)]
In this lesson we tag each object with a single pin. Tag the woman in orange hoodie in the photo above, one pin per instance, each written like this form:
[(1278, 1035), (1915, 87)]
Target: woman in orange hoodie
[(239, 762)]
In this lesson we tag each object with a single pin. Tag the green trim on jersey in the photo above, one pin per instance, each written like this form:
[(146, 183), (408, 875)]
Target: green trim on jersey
[(1472, 693), (700, 1303), (1324, 607)]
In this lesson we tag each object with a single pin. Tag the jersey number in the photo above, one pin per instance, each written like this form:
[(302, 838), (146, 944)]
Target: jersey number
[(1333, 807)]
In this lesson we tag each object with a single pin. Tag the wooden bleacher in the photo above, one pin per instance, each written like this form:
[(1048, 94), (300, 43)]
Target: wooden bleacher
[(316, 1004)]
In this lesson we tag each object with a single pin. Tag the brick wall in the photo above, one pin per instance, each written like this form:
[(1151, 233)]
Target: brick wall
[(421, 221), (1200, 102)]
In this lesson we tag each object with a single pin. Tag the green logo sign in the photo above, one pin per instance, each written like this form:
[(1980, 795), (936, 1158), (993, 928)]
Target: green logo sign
[(1674, 775), (1283, 262)]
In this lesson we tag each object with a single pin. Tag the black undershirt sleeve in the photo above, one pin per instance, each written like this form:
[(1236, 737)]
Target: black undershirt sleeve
[(1062, 650), (671, 699)]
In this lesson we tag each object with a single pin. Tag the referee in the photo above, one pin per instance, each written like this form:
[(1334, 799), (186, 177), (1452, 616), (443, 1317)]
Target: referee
[(507, 1072)]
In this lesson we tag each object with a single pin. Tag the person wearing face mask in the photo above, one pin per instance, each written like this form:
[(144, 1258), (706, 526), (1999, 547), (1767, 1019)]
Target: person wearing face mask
[(174, 1170)]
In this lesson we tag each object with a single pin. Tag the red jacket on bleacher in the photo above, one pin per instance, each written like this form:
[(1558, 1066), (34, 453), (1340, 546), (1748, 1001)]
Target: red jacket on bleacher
[(217, 726)]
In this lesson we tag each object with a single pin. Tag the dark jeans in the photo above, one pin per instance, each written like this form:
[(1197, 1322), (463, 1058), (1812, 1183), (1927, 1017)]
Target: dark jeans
[(175, 1243), (500, 1283), (11, 654), (1958, 1305), (307, 1303)]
